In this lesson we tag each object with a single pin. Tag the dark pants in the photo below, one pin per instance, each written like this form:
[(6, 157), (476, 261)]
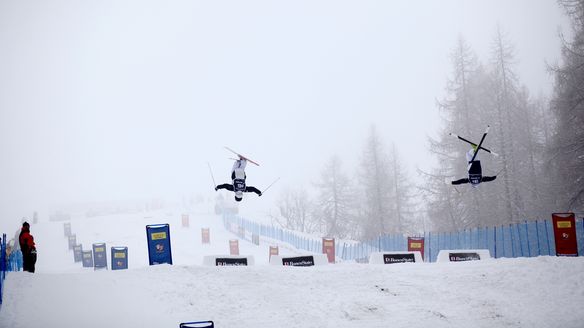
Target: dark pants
[(28, 262)]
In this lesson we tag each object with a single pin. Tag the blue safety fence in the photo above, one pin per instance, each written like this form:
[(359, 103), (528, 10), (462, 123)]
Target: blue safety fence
[(3, 265), (526, 239)]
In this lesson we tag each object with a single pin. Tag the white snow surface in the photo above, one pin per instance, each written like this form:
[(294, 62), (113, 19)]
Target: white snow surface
[(525, 292)]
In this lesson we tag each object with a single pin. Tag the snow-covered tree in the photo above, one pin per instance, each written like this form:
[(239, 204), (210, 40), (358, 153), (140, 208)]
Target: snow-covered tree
[(375, 180), (567, 148), (335, 200)]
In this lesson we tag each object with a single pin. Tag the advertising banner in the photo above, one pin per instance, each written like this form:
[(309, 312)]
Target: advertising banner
[(228, 261), (72, 241), (565, 234), (205, 236), (416, 244), (87, 259), (158, 237), (328, 248), (241, 232), (78, 253), (398, 258), (185, 220), (67, 229), (233, 247), (274, 250), (99, 256), (461, 257), (119, 258), (255, 239), (298, 261), (198, 324)]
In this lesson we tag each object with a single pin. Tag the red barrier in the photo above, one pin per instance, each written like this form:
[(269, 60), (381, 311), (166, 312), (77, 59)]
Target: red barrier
[(328, 248), (185, 220), (565, 234), (205, 236), (233, 247), (416, 244), (274, 250)]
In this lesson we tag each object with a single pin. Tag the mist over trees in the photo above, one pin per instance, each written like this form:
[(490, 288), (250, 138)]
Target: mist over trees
[(539, 140), (540, 169)]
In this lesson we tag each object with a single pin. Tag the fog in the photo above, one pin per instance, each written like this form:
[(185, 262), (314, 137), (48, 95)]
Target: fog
[(126, 100)]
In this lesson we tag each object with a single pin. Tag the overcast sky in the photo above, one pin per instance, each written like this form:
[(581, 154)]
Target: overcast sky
[(107, 100)]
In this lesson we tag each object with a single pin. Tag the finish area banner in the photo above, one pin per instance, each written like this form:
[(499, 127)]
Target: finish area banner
[(158, 237)]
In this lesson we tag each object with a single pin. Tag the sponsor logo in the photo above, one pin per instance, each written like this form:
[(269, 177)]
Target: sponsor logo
[(416, 245), (298, 261), (461, 257), (159, 248), (158, 235), (99, 249), (231, 262), (398, 258), (120, 255), (564, 224)]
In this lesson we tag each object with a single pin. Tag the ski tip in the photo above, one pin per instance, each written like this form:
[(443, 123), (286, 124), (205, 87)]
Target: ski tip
[(494, 154)]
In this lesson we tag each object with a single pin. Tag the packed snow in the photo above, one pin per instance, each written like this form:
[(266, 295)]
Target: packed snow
[(524, 292)]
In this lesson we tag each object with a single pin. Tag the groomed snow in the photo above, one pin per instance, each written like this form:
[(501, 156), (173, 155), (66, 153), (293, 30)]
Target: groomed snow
[(526, 292)]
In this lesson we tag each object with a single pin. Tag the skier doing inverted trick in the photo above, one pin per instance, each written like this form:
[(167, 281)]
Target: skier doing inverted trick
[(238, 177), (475, 173)]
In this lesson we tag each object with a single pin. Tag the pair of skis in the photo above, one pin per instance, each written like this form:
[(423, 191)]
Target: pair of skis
[(477, 147)]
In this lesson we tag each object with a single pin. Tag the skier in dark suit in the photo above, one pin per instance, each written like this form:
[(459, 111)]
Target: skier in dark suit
[(475, 173), (238, 181)]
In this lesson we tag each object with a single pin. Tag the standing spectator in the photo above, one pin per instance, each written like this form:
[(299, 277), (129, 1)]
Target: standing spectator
[(29, 254)]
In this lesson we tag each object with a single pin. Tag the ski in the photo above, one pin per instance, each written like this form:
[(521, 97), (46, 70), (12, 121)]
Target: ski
[(478, 148), (241, 156), (473, 144)]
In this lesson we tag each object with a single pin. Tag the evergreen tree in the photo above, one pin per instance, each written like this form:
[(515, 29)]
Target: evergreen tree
[(567, 147), (335, 200)]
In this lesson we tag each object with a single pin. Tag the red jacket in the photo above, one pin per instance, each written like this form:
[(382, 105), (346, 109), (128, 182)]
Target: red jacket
[(26, 241)]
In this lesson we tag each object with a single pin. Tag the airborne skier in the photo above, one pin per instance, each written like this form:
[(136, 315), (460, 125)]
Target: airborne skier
[(238, 177), (475, 172)]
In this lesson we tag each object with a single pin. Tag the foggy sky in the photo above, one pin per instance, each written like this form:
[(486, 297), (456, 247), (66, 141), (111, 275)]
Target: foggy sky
[(116, 100)]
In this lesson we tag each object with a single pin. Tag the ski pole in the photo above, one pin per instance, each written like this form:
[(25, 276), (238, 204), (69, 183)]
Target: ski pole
[(271, 184), (212, 178)]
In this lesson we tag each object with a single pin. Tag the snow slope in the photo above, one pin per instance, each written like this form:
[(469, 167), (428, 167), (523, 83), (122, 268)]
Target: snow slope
[(530, 292)]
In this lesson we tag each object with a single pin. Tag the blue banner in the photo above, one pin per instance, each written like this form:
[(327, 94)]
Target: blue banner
[(72, 241), (158, 237), (119, 258), (78, 253), (67, 229), (99, 256), (87, 259), (198, 324)]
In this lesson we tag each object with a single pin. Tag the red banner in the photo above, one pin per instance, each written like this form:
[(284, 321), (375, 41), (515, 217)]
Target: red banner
[(328, 248), (233, 247), (416, 244), (205, 236), (565, 234), (274, 250)]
